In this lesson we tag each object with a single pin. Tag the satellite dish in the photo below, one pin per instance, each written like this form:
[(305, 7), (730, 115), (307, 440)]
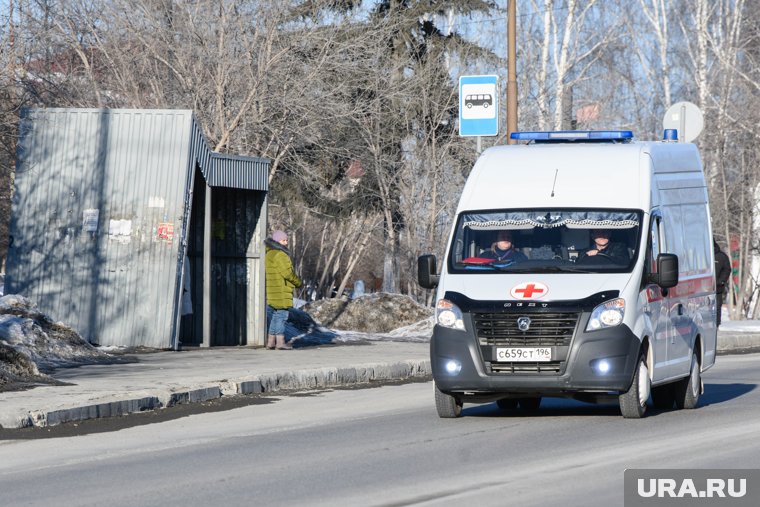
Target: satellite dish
[(686, 118)]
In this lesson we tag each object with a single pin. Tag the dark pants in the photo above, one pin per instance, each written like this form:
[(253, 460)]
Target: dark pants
[(719, 305)]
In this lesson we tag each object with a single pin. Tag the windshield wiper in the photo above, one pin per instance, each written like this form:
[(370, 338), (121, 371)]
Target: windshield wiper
[(548, 269), (512, 267), (566, 269)]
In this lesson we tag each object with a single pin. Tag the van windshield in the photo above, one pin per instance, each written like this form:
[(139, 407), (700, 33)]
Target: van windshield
[(546, 241)]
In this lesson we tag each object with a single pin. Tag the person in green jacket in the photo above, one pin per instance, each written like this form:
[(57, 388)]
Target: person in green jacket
[(281, 279)]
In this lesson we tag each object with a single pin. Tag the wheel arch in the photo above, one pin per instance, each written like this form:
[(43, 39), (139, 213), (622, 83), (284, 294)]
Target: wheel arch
[(646, 350), (699, 349)]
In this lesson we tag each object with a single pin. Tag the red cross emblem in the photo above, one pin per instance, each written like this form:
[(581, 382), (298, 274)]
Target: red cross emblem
[(529, 290)]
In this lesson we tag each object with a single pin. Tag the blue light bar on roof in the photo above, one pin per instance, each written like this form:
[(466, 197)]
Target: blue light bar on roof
[(574, 135)]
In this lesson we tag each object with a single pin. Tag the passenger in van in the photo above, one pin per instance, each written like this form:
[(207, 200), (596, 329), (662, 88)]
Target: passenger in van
[(503, 250), (605, 250)]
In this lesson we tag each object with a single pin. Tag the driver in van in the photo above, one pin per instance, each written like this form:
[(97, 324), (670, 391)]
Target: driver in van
[(604, 248), (503, 250)]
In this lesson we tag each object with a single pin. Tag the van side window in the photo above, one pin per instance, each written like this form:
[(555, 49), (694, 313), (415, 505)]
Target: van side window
[(654, 244), (699, 245)]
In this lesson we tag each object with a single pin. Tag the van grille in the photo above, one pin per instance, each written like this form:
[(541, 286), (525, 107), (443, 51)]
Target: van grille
[(552, 367), (546, 329)]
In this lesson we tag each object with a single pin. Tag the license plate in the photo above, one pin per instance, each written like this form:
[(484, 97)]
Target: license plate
[(527, 354)]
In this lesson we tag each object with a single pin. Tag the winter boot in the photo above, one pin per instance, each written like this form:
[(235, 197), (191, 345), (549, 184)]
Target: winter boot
[(281, 345), (271, 341)]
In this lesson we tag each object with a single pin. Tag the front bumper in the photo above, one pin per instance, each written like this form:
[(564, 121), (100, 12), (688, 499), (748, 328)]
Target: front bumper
[(571, 372)]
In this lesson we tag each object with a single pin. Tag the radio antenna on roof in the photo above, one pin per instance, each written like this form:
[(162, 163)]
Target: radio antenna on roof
[(555, 181)]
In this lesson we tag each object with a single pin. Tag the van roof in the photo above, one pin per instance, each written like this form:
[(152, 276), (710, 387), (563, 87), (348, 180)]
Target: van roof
[(574, 175)]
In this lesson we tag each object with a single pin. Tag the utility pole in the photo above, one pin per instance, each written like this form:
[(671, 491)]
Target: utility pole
[(512, 71)]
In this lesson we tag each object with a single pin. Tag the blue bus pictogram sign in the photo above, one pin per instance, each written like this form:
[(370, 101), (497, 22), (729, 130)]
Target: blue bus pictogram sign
[(479, 106)]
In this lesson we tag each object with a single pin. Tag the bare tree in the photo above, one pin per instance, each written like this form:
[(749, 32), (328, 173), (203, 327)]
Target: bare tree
[(566, 41), (721, 78), (356, 102)]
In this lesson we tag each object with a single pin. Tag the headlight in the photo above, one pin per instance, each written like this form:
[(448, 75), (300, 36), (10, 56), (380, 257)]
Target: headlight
[(609, 314), (447, 314)]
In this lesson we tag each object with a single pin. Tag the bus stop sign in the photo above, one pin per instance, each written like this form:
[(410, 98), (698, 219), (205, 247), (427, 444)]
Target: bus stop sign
[(478, 105)]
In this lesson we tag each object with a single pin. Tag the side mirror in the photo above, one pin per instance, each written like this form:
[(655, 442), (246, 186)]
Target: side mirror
[(426, 271), (667, 270)]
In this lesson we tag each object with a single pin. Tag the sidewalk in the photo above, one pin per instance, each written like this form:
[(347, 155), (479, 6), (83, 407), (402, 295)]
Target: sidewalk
[(162, 379)]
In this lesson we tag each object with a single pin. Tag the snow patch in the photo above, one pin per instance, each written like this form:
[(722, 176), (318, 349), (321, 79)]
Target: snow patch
[(32, 344), (371, 313)]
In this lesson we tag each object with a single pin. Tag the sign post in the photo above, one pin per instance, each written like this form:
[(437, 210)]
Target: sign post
[(478, 106)]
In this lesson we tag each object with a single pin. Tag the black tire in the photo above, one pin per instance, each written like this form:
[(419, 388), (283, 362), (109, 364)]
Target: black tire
[(469, 105), (448, 406), (633, 402), (663, 397), (530, 403), (507, 403), (687, 390)]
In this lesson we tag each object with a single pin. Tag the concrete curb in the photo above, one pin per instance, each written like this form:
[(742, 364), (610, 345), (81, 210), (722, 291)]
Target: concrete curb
[(293, 380), (333, 377), (736, 343), (298, 380)]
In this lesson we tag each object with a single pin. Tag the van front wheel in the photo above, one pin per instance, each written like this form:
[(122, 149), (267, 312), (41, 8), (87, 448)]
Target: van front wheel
[(633, 403), (447, 406)]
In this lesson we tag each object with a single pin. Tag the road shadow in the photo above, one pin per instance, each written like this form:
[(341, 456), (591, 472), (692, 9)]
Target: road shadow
[(719, 393), (550, 407), (563, 407)]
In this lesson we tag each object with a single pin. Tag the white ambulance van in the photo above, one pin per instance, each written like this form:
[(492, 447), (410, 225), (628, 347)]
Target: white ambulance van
[(580, 265)]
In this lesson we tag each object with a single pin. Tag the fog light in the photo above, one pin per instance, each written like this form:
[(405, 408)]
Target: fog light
[(453, 367), (601, 366)]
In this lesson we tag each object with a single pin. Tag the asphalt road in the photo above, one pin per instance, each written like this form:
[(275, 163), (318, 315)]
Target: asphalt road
[(386, 446)]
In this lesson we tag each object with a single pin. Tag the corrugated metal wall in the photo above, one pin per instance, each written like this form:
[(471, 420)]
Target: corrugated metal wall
[(97, 214), (237, 251), (234, 257), (100, 210), (239, 172)]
